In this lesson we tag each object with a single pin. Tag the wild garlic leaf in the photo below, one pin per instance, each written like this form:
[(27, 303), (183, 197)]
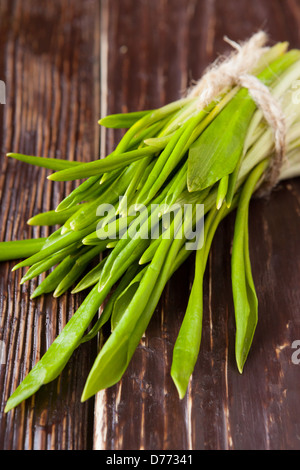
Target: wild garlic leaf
[(243, 288), (186, 348), (187, 345), (216, 152), (122, 120), (124, 298), (245, 300)]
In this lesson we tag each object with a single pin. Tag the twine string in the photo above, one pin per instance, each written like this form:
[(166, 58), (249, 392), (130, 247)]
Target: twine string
[(235, 69)]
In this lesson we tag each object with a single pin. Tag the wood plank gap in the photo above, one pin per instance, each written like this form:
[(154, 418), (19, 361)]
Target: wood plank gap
[(100, 414)]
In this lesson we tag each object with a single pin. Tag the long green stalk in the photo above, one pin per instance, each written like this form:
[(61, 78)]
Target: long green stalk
[(19, 249)]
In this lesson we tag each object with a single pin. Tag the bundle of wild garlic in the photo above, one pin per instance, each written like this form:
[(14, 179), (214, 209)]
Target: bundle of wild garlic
[(157, 198)]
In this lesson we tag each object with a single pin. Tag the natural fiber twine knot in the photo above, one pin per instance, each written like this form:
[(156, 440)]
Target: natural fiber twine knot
[(236, 69)]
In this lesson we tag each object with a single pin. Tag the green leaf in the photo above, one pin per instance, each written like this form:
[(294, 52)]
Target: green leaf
[(117, 351), (60, 351), (109, 307), (55, 164), (111, 162), (222, 191), (187, 346), (18, 249), (124, 298), (243, 289), (216, 152), (122, 120), (90, 279), (51, 217), (52, 280)]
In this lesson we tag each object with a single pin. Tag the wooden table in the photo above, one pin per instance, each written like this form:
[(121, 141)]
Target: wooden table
[(65, 63)]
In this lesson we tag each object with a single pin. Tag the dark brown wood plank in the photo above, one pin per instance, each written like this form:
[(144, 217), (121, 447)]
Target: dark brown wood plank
[(155, 48), (49, 61)]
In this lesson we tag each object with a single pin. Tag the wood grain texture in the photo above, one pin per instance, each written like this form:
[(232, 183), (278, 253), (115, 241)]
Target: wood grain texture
[(57, 59), (49, 62)]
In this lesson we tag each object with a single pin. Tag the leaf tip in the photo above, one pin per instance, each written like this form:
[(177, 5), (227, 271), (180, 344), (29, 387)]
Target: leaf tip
[(9, 406), (219, 204), (87, 393), (240, 362), (64, 229), (180, 384)]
